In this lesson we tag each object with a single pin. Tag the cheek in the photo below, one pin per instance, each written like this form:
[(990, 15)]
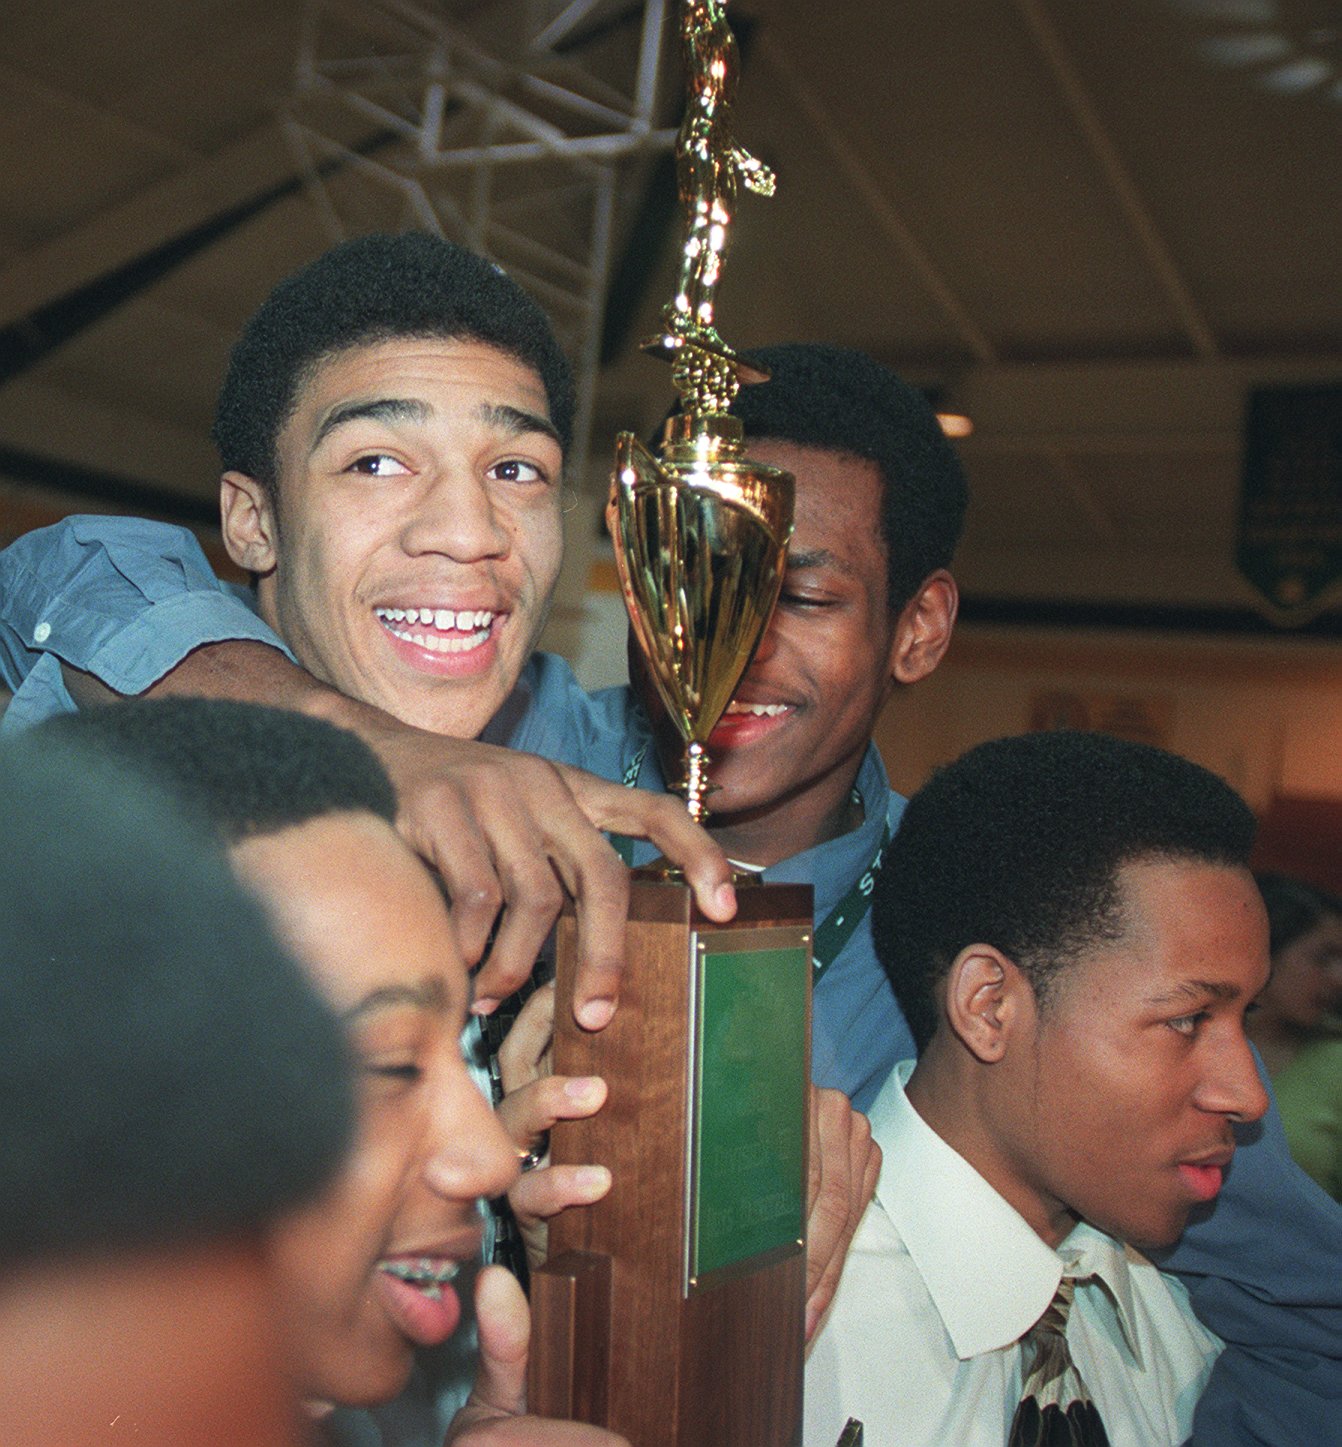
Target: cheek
[(335, 544), (538, 538)]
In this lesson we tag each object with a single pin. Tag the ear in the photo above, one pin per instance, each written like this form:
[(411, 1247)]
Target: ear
[(923, 632), (247, 517), (986, 998)]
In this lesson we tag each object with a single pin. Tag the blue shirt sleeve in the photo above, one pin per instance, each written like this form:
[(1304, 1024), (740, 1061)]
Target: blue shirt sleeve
[(119, 598), (1264, 1272)]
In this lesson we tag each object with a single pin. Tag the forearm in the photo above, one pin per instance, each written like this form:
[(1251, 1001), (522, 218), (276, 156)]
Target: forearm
[(119, 601)]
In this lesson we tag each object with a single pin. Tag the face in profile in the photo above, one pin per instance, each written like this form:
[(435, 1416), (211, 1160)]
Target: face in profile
[(365, 1271), (410, 554), (1118, 1095)]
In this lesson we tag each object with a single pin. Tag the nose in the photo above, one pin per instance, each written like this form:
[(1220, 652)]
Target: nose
[(455, 515), (1232, 1085), (472, 1155)]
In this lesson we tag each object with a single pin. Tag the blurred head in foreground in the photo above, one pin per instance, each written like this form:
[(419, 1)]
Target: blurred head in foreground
[(306, 812), (170, 1086)]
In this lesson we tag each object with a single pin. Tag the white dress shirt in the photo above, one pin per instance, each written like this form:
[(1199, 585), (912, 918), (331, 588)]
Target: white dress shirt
[(922, 1342)]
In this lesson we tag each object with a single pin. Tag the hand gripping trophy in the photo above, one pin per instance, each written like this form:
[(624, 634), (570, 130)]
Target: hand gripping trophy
[(673, 1311)]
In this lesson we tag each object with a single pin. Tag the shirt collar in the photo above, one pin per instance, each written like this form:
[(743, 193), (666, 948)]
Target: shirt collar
[(929, 1192), (1089, 1252), (832, 867)]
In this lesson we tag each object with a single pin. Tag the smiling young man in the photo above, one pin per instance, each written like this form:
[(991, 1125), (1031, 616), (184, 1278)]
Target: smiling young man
[(867, 608), (392, 431), (364, 1271), (1071, 925)]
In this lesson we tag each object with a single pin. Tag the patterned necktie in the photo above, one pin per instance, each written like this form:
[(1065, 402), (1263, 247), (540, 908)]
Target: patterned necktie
[(1055, 1408)]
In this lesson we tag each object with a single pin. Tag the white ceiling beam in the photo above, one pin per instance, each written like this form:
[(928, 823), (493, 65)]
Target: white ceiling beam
[(1107, 401), (1130, 201), (1100, 444), (887, 218)]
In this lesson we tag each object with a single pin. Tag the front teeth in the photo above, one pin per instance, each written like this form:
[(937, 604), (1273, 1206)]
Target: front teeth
[(443, 618), (473, 625), (759, 710), (428, 1275)]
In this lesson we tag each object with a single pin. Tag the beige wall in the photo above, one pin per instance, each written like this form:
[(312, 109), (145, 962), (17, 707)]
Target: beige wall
[(1267, 715)]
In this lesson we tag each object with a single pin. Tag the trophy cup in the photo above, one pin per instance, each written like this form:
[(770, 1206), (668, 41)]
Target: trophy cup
[(673, 1311)]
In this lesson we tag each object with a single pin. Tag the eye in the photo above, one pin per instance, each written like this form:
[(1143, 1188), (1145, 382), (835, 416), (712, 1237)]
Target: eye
[(378, 464), (1187, 1025), (515, 469), (407, 1071)]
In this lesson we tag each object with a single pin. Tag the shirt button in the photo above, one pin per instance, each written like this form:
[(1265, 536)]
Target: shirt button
[(42, 632)]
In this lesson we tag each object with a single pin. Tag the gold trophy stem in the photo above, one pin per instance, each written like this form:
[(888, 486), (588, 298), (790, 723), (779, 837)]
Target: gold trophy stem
[(696, 782)]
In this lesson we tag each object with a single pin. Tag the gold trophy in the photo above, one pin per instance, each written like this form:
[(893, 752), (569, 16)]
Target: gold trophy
[(673, 1311), (701, 532)]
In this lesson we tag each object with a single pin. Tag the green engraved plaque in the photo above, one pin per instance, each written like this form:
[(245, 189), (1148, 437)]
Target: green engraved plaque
[(747, 1191)]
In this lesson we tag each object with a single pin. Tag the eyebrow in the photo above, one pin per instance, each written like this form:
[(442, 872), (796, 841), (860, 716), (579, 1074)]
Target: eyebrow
[(817, 558), (1196, 990), (379, 409), (516, 421), (513, 421), (427, 996)]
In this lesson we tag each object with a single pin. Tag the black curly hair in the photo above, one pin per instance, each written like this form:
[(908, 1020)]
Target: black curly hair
[(374, 289), (841, 400), (1018, 845), (241, 768), (167, 1072)]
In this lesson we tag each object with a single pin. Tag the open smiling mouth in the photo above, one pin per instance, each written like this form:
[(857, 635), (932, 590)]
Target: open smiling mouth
[(438, 630), (742, 722), (428, 1274), (755, 710)]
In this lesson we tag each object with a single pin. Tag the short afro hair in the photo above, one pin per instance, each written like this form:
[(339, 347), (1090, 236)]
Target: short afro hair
[(166, 1072), (843, 401), (1018, 845), (242, 769), (374, 289)]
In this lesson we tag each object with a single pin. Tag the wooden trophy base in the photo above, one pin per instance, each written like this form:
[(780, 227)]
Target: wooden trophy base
[(673, 1311)]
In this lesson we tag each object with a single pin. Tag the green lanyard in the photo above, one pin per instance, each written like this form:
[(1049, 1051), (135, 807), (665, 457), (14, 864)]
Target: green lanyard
[(838, 927)]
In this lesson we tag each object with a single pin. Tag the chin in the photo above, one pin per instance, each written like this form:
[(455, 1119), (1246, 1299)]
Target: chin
[(363, 1379), (1148, 1235)]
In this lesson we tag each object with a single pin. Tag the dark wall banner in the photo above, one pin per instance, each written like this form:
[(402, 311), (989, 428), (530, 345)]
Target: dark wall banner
[(1290, 531)]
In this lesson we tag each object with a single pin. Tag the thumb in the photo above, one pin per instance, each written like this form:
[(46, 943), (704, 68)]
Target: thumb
[(504, 1321)]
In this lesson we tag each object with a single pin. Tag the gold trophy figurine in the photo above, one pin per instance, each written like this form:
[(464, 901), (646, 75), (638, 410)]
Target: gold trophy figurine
[(700, 531)]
